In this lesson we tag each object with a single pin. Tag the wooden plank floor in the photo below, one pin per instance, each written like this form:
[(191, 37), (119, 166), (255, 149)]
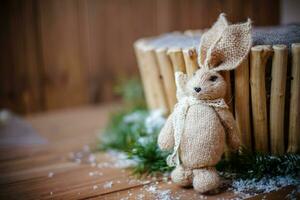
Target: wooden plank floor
[(48, 171)]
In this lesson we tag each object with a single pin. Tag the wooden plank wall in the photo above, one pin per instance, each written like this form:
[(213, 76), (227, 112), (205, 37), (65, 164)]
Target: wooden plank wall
[(56, 54)]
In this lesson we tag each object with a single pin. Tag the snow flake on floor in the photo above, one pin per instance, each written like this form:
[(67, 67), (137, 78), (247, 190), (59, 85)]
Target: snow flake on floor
[(160, 194), (50, 174), (250, 187), (95, 173), (95, 187), (108, 185)]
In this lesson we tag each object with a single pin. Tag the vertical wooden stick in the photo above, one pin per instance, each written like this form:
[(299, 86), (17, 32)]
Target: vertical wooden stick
[(242, 103), (166, 70), (138, 45), (279, 71), (228, 97), (190, 59), (156, 82), (226, 76), (259, 56), (294, 125), (177, 59)]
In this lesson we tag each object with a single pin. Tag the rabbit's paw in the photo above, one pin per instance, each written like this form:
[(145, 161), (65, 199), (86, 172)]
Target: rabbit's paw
[(181, 176), (205, 179)]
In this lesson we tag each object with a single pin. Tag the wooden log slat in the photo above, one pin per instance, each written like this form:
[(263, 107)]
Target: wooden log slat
[(63, 67), (279, 72), (258, 59), (151, 103), (228, 97), (167, 72), (294, 125), (177, 59), (155, 78), (190, 59), (242, 103)]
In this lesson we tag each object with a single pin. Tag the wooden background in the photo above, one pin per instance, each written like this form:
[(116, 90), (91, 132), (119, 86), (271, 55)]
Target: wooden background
[(64, 53)]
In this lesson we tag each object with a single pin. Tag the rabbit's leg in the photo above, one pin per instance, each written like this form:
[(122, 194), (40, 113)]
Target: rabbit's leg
[(181, 176), (205, 179)]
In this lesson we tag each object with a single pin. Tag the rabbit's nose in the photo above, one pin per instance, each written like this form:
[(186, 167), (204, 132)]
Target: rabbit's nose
[(197, 89)]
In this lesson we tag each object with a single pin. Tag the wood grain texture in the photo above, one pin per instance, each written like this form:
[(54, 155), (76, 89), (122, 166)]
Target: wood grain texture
[(294, 124), (177, 59), (155, 79), (63, 68), (277, 102), (146, 81), (258, 58), (228, 97), (190, 59), (167, 72), (25, 170), (57, 54), (242, 102)]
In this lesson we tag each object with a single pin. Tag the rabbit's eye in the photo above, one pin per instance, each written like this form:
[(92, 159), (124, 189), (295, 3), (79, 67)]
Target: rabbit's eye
[(213, 78)]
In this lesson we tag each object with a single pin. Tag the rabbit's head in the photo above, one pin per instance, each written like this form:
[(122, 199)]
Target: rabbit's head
[(223, 47), (206, 84)]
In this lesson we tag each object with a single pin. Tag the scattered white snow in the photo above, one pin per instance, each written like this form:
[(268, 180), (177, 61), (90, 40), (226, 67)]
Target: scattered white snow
[(250, 187), (151, 189), (92, 158), (50, 174), (135, 117), (4, 116), (120, 160), (140, 196), (108, 185), (164, 195), (154, 121), (159, 194), (95, 187), (145, 140)]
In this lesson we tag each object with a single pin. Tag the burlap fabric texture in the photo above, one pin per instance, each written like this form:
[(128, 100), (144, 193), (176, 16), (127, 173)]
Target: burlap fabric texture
[(201, 123)]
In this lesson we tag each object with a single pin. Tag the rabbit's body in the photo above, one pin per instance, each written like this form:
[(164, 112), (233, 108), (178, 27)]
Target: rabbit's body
[(201, 123), (203, 133)]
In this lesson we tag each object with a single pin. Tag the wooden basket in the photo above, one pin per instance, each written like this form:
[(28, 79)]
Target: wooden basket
[(267, 123)]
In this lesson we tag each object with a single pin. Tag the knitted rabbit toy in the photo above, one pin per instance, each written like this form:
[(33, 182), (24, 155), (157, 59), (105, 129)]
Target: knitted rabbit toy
[(201, 123)]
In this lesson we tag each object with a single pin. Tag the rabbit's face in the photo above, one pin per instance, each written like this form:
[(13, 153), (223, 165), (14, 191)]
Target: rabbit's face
[(206, 84)]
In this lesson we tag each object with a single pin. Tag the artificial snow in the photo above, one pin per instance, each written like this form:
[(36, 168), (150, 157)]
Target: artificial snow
[(95, 187), (164, 195), (135, 117), (120, 160), (50, 174), (155, 121), (159, 194), (108, 185), (250, 187), (95, 173), (140, 196)]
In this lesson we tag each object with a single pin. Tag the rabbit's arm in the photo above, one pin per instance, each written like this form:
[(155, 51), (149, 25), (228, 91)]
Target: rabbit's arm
[(166, 135), (232, 138)]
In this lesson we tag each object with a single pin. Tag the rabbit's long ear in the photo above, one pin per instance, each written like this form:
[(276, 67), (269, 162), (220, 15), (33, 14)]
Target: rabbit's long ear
[(232, 47), (209, 38)]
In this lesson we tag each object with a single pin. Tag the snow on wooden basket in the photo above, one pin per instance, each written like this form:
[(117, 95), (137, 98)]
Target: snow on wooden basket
[(263, 92)]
